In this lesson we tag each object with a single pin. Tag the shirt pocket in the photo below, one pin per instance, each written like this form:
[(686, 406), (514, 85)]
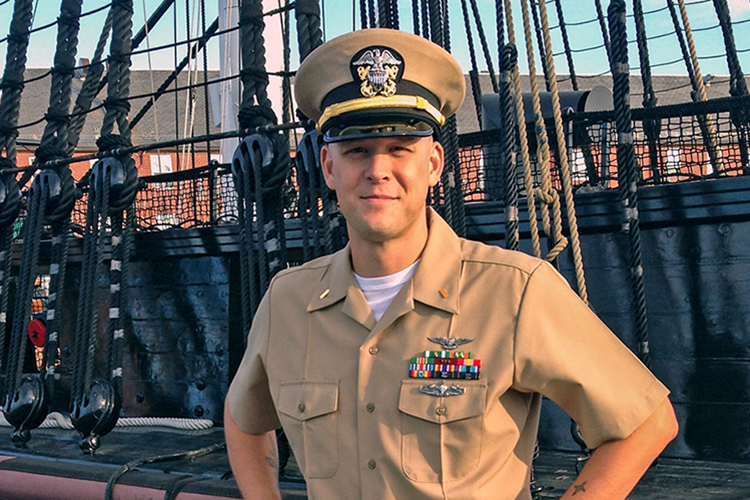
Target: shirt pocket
[(441, 437), (308, 412)]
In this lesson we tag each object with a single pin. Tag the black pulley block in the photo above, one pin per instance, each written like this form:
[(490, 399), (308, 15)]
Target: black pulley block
[(123, 181), (60, 195), (309, 150), (255, 151), (96, 413), (26, 408), (10, 200)]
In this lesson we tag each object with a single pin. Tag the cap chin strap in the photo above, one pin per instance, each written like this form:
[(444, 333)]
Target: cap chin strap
[(379, 102)]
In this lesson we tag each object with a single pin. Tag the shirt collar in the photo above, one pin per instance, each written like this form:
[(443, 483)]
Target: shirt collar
[(435, 283), (335, 282), (438, 276)]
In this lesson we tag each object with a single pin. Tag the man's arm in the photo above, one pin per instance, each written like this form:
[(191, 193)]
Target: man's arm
[(254, 460), (615, 467)]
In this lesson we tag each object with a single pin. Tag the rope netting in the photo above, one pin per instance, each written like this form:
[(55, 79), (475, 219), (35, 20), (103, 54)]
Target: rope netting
[(181, 199)]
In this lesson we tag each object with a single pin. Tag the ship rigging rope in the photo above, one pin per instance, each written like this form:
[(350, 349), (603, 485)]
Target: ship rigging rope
[(738, 86), (476, 91), (509, 63), (548, 197), (8, 212), (11, 85), (603, 29), (88, 90), (451, 180), (27, 413), (104, 218), (500, 32), (59, 21), (566, 44), (540, 42), (708, 130), (388, 14), (415, 17), (484, 44), (54, 145), (31, 234), (562, 158), (523, 138), (652, 128), (258, 185), (627, 178)]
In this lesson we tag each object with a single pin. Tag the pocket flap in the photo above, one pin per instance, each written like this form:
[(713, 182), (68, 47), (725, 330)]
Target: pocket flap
[(303, 400), (442, 410)]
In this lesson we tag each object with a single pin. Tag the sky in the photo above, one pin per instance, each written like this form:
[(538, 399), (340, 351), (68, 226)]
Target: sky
[(341, 16)]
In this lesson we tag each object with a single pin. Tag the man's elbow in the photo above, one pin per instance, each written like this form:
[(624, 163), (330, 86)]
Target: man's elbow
[(665, 424)]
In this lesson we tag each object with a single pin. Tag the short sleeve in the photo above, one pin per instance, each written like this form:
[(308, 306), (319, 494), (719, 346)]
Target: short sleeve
[(249, 398), (565, 352)]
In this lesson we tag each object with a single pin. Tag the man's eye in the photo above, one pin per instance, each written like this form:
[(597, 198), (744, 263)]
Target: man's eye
[(356, 150)]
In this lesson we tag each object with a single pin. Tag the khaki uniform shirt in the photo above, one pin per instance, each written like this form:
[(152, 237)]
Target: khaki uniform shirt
[(319, 364)]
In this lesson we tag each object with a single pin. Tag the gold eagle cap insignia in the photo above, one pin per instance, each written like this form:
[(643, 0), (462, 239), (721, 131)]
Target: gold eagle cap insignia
[(377, 70), (449, 343)]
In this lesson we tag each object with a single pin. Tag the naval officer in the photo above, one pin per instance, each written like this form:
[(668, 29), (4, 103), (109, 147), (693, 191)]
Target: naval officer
[(411, 364)]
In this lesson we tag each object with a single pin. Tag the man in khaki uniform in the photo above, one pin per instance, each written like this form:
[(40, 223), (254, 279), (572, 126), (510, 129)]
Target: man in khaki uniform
[(411, 364)]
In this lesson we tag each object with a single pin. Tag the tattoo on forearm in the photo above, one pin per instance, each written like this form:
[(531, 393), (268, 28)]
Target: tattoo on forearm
[(273, 457), (578, 488), (272, 462)]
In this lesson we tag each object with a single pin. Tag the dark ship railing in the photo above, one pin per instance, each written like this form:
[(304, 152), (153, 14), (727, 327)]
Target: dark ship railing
[(183, 199)]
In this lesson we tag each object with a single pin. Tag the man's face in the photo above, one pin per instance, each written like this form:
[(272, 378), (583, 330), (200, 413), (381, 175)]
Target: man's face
[(382, 184)]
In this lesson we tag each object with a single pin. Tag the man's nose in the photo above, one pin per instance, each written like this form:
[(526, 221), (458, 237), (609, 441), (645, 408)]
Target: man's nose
[(379, 168)]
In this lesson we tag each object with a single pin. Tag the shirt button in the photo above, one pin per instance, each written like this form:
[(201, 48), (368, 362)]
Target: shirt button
[(370, 407), (374, 350), (371, 464), (440, 410), (301, 407)]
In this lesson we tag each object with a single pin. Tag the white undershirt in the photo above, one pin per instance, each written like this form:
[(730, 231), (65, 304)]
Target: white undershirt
[(381, 291)]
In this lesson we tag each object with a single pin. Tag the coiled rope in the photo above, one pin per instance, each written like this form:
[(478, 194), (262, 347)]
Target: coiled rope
[(57, 420), (562, 158), (550, 200)]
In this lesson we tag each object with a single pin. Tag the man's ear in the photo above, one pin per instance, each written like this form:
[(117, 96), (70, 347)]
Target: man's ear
[(437, 161), (326, 164)]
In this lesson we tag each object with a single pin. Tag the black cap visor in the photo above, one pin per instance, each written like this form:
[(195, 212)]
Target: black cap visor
[(373, 124)]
